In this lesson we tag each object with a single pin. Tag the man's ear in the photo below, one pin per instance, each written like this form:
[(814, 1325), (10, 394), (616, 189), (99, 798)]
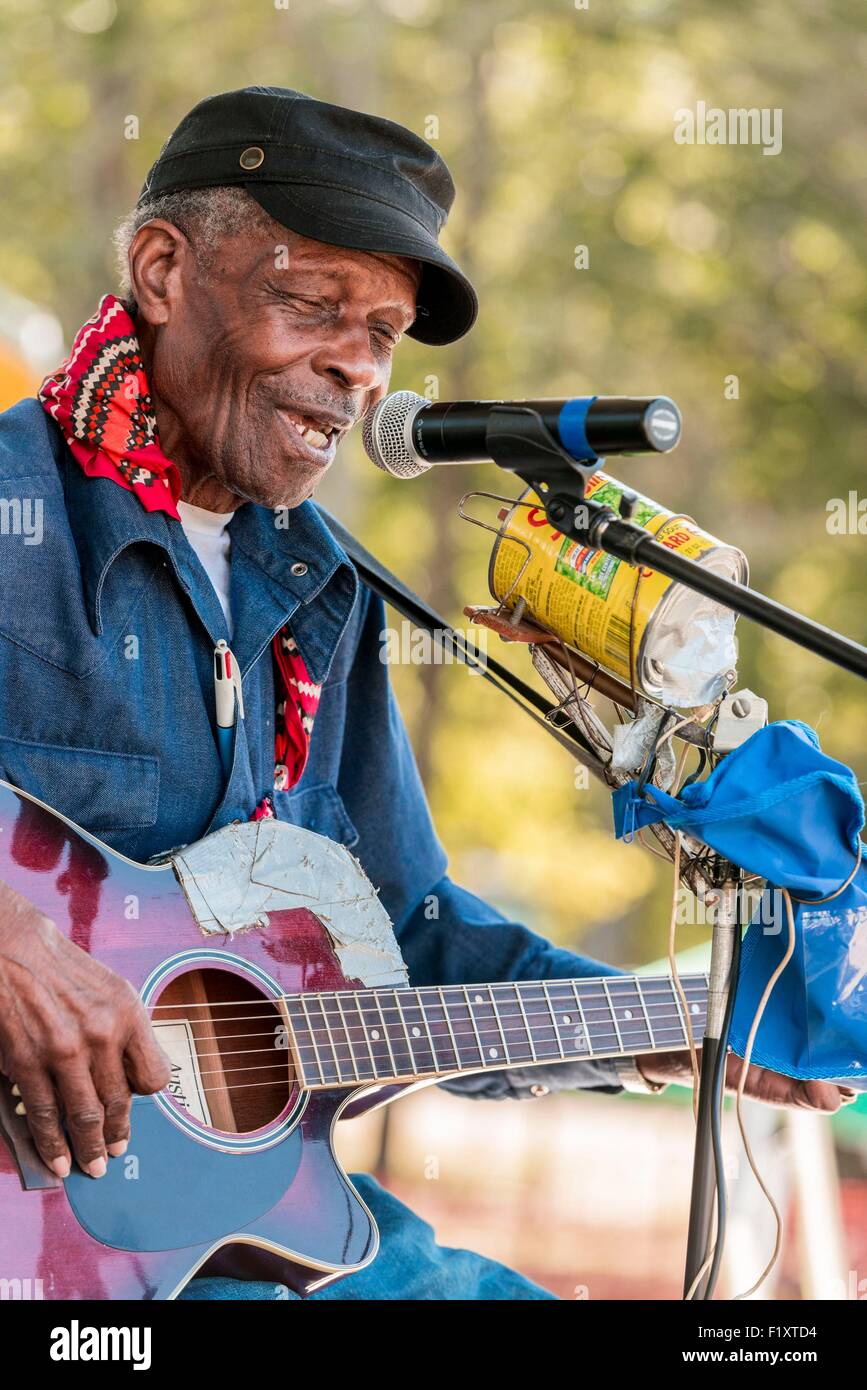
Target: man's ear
[(158, 256)]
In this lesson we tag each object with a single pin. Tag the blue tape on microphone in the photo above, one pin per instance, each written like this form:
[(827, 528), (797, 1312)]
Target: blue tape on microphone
[(572, 427)]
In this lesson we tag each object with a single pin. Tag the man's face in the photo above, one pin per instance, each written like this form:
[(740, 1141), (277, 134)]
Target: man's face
[(261, 362)]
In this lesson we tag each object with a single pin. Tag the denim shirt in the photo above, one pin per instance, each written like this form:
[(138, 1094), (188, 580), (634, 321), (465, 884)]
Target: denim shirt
[(107, 628)]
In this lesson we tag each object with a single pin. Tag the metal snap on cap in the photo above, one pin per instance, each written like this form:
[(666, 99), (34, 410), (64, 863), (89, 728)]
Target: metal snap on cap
[(252, 157), (299, 568)]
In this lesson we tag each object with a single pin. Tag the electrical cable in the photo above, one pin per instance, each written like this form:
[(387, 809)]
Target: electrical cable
[(719, 1095)]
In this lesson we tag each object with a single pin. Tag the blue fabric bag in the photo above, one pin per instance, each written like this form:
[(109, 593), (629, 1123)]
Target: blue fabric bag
[(782, 809)]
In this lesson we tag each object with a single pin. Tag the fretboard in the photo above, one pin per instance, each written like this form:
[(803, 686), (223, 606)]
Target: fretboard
[(388, 1035)]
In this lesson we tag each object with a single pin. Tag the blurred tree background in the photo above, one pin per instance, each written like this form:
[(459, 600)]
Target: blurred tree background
[(705, 263)]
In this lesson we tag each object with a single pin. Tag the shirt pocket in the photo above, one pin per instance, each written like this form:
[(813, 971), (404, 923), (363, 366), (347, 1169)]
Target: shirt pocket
[(98, 790), (319, 808)]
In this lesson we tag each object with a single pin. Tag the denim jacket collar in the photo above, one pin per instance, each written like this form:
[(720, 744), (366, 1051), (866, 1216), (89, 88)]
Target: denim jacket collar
[(279, 545), (105, 519)]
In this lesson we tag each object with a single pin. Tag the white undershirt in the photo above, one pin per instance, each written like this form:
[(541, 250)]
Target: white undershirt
[(208, 534)]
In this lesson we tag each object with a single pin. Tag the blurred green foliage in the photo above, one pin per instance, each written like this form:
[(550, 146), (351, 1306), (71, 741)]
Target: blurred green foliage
[(705, 262)]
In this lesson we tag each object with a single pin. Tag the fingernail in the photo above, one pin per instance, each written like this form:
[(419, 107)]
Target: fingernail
[(116, 1150), (19, 1109), (60, 1167), (97, 1168), (16, 1090)]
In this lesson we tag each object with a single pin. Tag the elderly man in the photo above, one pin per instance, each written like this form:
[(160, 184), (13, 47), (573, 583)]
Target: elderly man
[(279, 251)]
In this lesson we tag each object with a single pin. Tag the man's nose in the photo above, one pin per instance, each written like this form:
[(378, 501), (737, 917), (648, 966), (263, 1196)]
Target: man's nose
[(347, 358)]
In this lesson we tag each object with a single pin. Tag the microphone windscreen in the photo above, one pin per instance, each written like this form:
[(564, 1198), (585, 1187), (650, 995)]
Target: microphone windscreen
[(386, 434)]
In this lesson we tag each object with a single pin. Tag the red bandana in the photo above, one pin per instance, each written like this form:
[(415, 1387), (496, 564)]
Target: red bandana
[(101, 401)]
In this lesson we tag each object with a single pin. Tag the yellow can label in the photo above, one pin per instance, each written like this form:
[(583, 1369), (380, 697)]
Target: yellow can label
[(593, 601)]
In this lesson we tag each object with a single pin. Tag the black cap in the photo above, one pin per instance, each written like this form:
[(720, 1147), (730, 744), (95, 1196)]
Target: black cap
[(335, 175)]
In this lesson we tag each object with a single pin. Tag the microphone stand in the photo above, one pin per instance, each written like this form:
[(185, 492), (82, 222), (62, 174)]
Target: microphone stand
[(708, 1178), (518, 440)]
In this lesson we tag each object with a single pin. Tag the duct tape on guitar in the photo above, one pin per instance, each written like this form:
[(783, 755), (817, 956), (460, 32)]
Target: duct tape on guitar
[(663, 639)]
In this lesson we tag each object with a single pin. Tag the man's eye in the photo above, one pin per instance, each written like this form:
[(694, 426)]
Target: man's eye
[(387, 334), (299, 303)]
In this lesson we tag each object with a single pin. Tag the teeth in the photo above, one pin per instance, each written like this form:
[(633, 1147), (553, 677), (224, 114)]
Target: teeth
[(314, 437)]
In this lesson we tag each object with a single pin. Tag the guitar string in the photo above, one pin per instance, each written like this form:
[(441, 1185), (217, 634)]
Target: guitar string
[(325, 1024), (512, 1023), (344, 1083), (331, 1041), (339, 1082), (460, 1061), (277, 1018), (401, 1017), (327, 1035), (308, 1024), (402, 997), (633, 981), (405, 1008)]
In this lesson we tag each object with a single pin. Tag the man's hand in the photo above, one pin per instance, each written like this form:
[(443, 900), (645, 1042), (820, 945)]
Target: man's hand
[(762, 1084), (74, 1038)]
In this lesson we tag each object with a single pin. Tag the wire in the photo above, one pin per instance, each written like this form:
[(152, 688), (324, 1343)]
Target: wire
[(742, 1081), (672, 965), (689, 1296), (660, 854), (718, 1094)]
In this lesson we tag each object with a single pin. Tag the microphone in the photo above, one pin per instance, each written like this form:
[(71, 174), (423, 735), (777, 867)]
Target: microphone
[(406, 434)]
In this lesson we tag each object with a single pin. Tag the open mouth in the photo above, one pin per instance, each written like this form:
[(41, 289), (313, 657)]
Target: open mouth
[(316, 432)]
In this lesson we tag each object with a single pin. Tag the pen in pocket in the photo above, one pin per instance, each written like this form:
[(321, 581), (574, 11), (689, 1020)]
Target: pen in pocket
[(228, 697)]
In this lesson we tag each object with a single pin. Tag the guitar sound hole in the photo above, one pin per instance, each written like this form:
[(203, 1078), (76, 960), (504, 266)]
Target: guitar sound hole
[(231, 1065)]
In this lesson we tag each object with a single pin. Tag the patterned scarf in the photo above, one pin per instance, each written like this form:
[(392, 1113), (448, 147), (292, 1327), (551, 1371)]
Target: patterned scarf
[(101, 400)]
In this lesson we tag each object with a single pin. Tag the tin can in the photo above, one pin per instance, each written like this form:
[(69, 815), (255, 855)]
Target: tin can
[(661, 638)]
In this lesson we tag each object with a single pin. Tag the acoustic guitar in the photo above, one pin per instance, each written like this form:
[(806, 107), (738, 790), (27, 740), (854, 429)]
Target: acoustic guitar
[(272, 976)]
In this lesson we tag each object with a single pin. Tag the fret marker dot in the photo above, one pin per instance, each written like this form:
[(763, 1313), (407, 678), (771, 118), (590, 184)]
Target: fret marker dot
[(627, 1013), (567, 1018), (416, 1032), (492, 1052), (374, 1033), (694, 1009), (477, 999)]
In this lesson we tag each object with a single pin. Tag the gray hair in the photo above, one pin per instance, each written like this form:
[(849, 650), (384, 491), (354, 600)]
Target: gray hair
[(204, 215)]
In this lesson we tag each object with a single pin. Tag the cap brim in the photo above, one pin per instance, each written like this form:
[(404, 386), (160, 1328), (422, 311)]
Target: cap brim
[(446, 301)]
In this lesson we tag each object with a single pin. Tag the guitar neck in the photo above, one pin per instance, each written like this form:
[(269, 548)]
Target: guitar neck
[(390, 1035)]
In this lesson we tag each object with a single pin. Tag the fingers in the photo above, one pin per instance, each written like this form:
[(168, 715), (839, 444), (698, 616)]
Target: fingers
[(114, 1095), (40, 1106), (773, 1088), (823, 1096), (770, 1087), (93, 1111), (147, 1066), (83, 1115)]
